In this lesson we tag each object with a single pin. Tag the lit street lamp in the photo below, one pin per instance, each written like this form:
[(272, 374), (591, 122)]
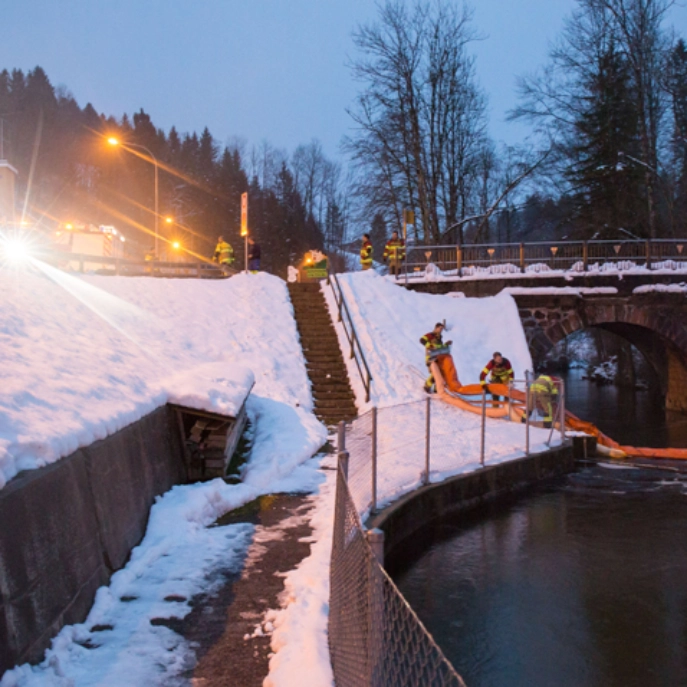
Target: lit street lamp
[(116, 142)]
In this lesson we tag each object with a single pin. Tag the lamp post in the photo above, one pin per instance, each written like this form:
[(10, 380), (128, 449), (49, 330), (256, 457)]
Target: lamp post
[(116, 142)]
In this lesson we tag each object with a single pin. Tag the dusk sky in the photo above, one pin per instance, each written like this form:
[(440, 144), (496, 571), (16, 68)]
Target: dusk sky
[(266, 69)]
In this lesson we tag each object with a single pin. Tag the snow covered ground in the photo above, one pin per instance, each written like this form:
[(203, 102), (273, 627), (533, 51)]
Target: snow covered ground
[(389, 321), (83, 357), (543, 270)]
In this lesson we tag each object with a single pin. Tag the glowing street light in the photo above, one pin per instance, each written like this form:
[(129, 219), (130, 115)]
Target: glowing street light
[(176, 245), (113, 141), (169, 220)]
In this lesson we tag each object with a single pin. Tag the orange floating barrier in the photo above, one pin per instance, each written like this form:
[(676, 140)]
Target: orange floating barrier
[(451, 391)]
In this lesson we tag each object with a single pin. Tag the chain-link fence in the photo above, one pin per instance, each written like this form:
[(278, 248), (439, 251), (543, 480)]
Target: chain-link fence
[(375, 638)]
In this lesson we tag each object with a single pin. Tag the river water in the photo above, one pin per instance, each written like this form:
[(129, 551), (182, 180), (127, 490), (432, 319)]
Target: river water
[(581, 582)]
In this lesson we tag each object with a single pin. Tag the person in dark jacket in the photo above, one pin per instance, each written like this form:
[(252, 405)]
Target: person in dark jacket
[(253, 256), (500, 371)]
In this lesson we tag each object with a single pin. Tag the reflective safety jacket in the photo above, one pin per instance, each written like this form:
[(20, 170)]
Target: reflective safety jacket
[(544, 385), (395, 250), (500, 374), (224, 253), (366, 251), (433, 344)]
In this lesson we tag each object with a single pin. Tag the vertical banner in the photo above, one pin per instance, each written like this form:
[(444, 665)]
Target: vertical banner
[(244, 214)]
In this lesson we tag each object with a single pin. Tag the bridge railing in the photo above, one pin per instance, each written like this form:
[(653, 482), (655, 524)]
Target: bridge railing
[(577, 256)]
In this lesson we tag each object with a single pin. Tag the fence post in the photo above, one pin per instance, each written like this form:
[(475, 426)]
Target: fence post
[(374, 458), (527, 412), (375, 538), (425, 477), (522, 257), (648, 254), (561, 409), (585, 256), (484, 422), (341, 442), (459, 260)]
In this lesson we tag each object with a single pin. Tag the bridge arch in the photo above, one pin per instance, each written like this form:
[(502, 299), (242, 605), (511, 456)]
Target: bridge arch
[(656, 323)]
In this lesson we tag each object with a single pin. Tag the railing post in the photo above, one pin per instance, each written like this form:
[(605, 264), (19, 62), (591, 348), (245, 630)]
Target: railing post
[(428, 414), (459, 260), (648, 254), (585, 256), (522, 258), (527, 412), (375, 538), (374, 458), (484, 422), (561, 409)]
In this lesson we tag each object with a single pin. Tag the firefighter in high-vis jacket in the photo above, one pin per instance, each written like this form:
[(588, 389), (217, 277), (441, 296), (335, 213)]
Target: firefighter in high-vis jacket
[(224, 253), (500, 371), (434, 346), (366, 251), (543, 396), (394, 253)]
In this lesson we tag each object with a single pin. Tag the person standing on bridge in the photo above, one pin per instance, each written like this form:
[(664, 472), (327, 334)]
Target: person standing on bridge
[(254, 255), (395, 253), (434, 346), (366, 251), (224, 254), (501, 373)]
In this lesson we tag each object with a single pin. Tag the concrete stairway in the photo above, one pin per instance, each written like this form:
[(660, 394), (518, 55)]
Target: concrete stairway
[(334, 399)]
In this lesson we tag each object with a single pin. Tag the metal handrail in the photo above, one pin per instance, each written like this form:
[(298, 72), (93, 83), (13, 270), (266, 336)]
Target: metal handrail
[(351, 335)]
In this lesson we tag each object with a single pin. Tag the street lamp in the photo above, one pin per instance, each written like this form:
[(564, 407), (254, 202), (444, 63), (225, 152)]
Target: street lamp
[(116, 142)]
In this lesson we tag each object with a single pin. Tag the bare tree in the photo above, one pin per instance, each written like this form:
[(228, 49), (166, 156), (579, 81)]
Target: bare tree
[(421, 118)]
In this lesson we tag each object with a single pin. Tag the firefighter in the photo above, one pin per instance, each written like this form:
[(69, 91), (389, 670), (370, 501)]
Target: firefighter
[(434, 346), (366, 251), (501, 373), (395, 253), (224, 254), (543, 395)]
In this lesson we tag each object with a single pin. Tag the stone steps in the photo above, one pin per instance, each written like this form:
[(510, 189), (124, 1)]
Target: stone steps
[(334, 399)]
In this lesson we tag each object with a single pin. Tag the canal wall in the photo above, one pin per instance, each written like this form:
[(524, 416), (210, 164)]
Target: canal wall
[(415, 511), (67, 527)]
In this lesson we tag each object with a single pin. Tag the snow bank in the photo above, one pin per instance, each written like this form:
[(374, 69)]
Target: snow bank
[(389, 321), (661, 288), (82, 357)]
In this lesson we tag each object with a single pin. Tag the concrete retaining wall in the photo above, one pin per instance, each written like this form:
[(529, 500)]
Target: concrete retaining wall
[(64, 529), (419, 509)]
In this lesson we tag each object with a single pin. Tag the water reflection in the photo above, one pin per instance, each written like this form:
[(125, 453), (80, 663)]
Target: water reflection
[(636, 418), (581, 584)]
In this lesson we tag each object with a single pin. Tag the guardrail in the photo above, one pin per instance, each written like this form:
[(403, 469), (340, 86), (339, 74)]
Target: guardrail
[(80, 262), (576, 256), (344, 316)]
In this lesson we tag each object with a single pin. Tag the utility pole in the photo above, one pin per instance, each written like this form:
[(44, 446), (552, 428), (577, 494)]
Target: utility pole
[(244, 225)]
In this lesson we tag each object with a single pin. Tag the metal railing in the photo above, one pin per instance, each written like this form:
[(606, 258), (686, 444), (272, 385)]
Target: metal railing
[(344, 316), (375, 637), (400, 448), (570, 256), (79, 262)]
